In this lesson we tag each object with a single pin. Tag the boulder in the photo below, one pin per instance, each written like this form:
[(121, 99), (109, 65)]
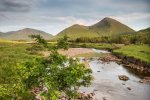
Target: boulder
[(123, 77)]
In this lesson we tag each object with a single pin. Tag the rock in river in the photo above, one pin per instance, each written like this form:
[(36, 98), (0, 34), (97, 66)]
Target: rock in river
[(145, 80), (128, 88), (123, 77)]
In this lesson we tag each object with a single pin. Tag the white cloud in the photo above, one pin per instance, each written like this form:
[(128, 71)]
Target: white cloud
[(132, 17), (136, 21)]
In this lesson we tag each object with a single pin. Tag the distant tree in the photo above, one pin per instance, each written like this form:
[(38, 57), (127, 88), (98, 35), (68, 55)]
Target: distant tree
[(39, 39), (134, 39), (63, 42)]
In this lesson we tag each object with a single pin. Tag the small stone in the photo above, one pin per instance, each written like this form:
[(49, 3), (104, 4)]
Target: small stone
[(145, 80), (92, 94), (89, 95), (128, 88), (104, 98), (123, 84), (95, 90), (141, 81), (98, 71)]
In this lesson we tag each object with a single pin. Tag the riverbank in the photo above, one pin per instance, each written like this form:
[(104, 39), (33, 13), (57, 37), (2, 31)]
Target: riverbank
[(105, 71), (136, 57), (107, 84)]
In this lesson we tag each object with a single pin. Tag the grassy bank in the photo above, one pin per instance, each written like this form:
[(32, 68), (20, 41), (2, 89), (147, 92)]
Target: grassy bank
[(105, 46), (12, 52), (136, 52), (140, 52), (10, 55)]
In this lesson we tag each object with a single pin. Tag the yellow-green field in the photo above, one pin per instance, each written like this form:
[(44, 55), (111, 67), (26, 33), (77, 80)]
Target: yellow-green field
[(141, 52)]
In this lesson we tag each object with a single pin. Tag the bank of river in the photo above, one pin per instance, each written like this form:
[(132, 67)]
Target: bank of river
[(106, 84)]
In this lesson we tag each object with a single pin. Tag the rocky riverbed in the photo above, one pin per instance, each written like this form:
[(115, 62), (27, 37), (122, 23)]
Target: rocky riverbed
[(113, 80)]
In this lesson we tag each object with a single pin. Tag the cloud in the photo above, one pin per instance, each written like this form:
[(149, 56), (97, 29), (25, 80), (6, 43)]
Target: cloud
[(133, 17), (136, 21), (55, 15), (17, 5)]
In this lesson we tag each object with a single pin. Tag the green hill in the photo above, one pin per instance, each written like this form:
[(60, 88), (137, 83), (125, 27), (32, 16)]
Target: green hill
[(23, 34), (144, 31), (1, 33), (105, 27), (78, 31), (109, 26)]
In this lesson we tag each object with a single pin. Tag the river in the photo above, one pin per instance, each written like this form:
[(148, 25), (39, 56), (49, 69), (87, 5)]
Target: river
[(106, 83)]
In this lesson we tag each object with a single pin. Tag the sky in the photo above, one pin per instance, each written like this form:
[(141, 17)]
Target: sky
[(53, 16)]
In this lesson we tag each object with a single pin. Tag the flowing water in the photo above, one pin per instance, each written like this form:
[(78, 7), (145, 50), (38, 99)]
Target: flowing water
[(106, 83)]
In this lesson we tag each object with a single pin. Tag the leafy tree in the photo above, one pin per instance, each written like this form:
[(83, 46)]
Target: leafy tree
[(39, 45), (63, 43), (47, 78), (39, 39)]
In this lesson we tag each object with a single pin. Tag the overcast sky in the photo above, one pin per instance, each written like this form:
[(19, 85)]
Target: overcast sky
[(53, 16)]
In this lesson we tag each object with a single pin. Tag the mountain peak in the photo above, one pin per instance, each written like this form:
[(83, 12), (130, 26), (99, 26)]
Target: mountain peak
[(23, 34), (106, 27), (107, 21), (108, 18), (27, 29), (77, 25)]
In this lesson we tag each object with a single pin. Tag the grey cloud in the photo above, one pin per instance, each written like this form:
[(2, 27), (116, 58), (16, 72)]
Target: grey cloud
[(17, 5), (10, 5)]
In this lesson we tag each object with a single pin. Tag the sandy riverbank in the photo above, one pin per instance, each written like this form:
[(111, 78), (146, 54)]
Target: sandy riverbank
[(72, 52)]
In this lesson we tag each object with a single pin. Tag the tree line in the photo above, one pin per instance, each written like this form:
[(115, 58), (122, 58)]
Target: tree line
[(126, 38)]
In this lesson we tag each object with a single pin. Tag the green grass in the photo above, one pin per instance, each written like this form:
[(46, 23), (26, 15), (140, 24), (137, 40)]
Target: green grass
[(11, 53), (8, 41), (104, 46), (141, 52)]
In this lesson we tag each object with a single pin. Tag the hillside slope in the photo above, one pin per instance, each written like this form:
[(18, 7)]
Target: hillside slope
[(77, 31), (1, 33), (105, 27), (24, 33), (109, 26), (144, 31)]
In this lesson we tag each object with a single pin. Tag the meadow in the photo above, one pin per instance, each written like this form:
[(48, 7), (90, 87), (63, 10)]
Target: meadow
[(10, 53), (14, 53), (141, 52)]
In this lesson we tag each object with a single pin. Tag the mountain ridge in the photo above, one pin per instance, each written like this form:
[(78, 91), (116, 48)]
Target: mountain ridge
[(106, 26), (23, 34)]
